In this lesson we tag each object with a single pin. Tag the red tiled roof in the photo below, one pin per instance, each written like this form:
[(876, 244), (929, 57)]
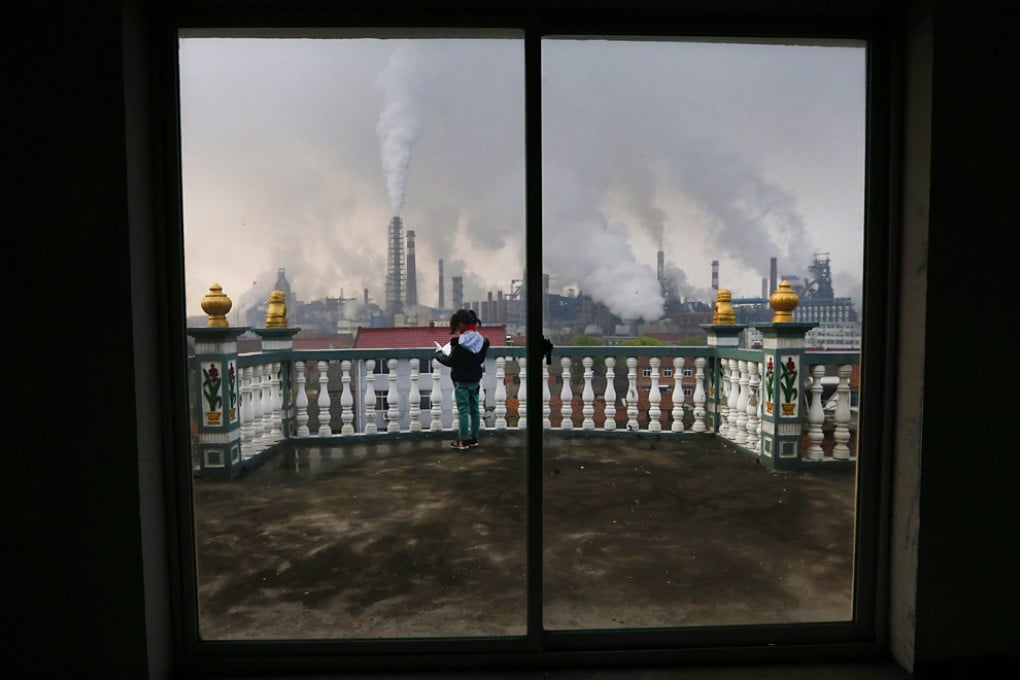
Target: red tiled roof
[(418, 336)]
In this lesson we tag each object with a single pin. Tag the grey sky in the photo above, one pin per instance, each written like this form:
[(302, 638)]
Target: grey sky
[(297, 153)]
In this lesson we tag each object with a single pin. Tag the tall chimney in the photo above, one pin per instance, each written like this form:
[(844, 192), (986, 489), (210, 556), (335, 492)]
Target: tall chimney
[(773, 276), (764, 288), (411, 296), (442, 296), (661, 265), (366, 296), (458, 292), (395, 266), (715, 275)]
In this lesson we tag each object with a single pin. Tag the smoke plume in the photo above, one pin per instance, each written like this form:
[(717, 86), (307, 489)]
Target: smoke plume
[(399, 126)]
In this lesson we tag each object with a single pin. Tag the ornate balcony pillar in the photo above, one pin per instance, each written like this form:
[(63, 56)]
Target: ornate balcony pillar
[(723, 333), (782, 419), (218, 400)]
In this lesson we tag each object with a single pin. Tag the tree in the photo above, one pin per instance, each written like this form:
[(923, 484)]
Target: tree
[(643, 341)]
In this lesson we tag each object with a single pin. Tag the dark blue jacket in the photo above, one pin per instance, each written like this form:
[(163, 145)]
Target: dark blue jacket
[(466, 366)]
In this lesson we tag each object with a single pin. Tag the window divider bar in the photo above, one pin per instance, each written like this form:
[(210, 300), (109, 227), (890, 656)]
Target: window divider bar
[(533, 281)]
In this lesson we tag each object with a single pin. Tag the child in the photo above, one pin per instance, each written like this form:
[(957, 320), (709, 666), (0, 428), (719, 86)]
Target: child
[(466, 360)]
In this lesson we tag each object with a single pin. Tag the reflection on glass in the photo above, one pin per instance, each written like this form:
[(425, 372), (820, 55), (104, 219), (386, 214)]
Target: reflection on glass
[(342, 198), (699, 469)]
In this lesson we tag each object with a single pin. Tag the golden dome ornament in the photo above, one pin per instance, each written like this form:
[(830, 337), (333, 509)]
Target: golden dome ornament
[(784, 300), (724, 313), (276, 315), (216, 305)]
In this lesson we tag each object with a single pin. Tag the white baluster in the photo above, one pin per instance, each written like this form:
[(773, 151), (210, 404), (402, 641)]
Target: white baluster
[(741, 433), (678, 395), (247, 431), (610, 396), (276, 390), (546, 398), (500, 410), (753, 382), (699, 395), (267, 405), (454, 410), (733, 429), (816, 415), (481, 406), (393, 398), (346, 399), (522, 394), (724, 397), (632, 395), (246, 416), (566, 396), (257, 443), (414, 398), (324, 428), (654, 396), (436, 395), (370, 426), (840, 450), (301, 401), (588, 396)]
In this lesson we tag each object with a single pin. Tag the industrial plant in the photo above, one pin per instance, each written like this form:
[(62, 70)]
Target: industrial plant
[(569, 316)]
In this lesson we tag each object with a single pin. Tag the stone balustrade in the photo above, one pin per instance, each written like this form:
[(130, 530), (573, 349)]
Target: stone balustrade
[(786, 406)]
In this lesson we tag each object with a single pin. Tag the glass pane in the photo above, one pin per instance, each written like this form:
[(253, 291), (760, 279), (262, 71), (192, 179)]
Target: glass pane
[(347, 196), (699, 468)]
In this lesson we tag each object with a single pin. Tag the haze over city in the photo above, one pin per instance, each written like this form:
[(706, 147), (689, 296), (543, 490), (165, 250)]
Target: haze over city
[(297, 153)]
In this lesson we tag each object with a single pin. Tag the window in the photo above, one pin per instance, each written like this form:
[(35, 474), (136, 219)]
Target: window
[(578, 76)]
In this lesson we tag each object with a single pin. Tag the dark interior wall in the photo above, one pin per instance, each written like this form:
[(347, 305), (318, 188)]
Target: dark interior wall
[(967, 595), (73, 457), (72, 461)]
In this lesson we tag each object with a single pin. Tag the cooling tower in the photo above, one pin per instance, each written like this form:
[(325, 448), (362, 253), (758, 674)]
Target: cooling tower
[(458, 292)]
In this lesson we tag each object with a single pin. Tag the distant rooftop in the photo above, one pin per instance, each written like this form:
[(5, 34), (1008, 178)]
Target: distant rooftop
[(396, 337)]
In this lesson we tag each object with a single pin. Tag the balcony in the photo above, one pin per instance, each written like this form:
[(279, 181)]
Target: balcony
[(683, 486)]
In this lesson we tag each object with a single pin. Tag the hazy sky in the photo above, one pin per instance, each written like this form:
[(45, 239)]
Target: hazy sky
[(298, 152)]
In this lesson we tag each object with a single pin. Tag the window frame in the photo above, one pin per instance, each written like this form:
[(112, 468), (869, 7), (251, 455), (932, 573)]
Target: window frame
[(861, 638)]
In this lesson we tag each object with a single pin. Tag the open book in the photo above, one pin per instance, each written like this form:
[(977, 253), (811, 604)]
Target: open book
[(445, 349)]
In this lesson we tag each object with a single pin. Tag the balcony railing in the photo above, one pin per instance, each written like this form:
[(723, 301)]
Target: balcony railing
[(788, 407)]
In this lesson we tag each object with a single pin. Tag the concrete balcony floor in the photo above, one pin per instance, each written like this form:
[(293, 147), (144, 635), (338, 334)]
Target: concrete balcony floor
[(410, 538)]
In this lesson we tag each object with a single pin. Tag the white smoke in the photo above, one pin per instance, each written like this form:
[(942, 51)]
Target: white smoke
[(580, 248), (399, 126)]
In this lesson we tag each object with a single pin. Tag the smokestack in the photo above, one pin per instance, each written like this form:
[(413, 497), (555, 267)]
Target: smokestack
[(764, 288), (715, 275), (412, 278), (442, 296), (395, 266), (366, 297), (661, 267), (773, 276), (458, 292)]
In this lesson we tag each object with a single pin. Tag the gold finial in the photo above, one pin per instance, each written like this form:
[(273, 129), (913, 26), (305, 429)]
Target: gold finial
[(724, 313), (784, 300), (216, 305), (276, 315)]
